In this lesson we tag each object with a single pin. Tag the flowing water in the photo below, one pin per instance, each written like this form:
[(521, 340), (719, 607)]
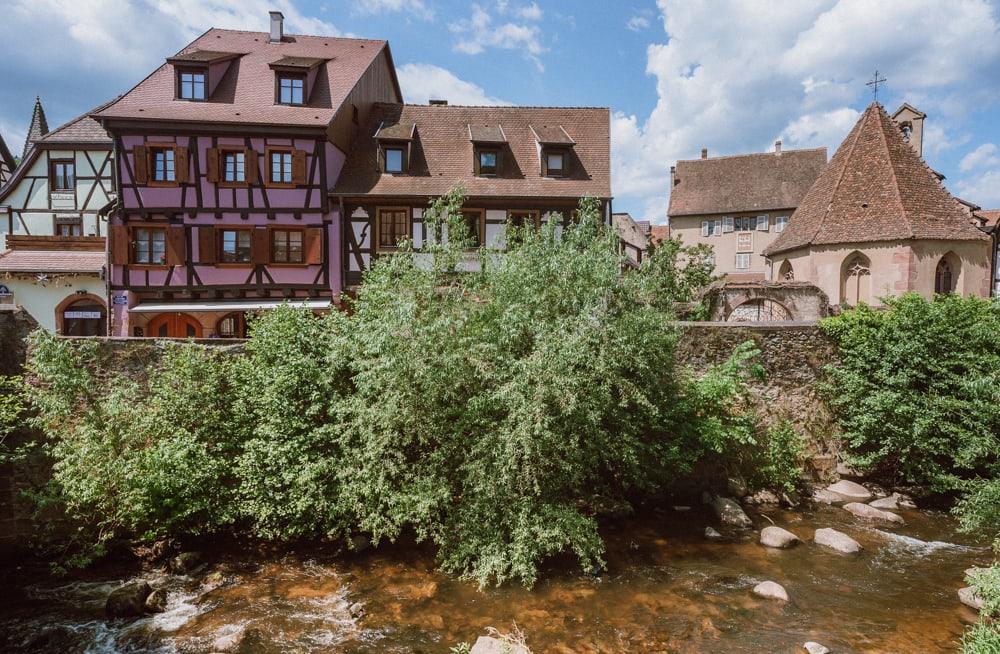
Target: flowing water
[(666, 589)]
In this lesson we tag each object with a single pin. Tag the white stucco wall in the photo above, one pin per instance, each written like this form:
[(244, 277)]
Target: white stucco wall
[(40, 300)]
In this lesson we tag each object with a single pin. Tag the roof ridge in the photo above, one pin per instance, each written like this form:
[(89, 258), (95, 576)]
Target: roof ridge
[(892, 169), (445, 107), (754, 154), (309, 36), (73, 121)]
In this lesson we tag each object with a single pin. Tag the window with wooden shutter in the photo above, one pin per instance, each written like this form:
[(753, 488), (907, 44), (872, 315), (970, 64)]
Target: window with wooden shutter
[(140, 168), (212, 165), (181, 157), (119, 245), (298, 167), (252, 166), (314, 245), (393, 226), (176, 246), (206, 244)]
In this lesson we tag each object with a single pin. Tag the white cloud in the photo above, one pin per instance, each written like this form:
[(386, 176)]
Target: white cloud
[(416, 7), (983, 189), (422, 82), (637, 23), (529, 12), (14, 134), (479, 32), (986, 155), (798, 71)]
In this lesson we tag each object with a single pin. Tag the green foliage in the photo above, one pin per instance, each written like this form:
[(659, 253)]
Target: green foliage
[(987, 585), (982, 638), (917, 392), (780, 464), (13, 409)]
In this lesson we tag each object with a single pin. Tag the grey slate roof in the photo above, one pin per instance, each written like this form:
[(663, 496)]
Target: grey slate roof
[(39, 127)]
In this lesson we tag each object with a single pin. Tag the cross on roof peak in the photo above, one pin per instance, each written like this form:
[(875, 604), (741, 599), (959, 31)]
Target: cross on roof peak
[(875, 81)]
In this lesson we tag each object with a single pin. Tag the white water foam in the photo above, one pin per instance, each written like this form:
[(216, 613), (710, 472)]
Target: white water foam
[(922, 547)]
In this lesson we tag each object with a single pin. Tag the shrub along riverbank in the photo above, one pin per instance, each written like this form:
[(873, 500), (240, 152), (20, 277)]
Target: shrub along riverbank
[(479, 411)]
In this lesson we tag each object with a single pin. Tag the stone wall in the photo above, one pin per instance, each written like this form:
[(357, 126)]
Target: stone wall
[(15, 325)]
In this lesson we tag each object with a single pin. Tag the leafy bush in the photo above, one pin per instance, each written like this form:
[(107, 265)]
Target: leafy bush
[(982, 638), (12, 407), (917, 391), (779, 464)]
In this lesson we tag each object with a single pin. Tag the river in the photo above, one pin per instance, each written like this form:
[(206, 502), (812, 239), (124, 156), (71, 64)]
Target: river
[(666, 589)]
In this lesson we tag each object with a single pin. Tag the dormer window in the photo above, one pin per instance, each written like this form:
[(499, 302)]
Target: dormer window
[(395, 143), (291, 89), (555, 164), (487, 162), (394, 160), (191, 84)]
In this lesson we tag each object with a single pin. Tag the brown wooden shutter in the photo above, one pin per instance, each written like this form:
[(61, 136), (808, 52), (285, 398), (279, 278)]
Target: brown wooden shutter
[(212, 164), (252, 166), (140, 165), (181, 164), (119, 245), (298, 167), (381, 159), (259, 246), (206, 244), (176, 250), (313, 245)]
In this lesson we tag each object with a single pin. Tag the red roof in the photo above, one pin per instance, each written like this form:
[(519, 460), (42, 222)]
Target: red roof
[(991, 216), (875, 188), (48, 261), (245, 94)]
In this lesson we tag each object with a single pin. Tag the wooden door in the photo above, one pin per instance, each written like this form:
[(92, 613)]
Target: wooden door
[(174, 325)]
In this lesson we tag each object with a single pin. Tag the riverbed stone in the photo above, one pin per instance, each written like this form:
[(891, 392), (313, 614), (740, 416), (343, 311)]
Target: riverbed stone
[(490, 645), (186, 562), (850, 491), (824, 496), (357, 610), (712, 534), (972, 573), (128, 600), (888, 503), (771, 590), (867, 512), (156, 602), (815, 648), (970, 598), (730, 513), (836, 540), (778, 538), (764, 497), (737, 486), (845, 470)]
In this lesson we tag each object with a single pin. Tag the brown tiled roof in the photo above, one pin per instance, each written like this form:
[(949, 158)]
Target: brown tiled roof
[(552, 135), (659, 233), (747, 182), (875, 188), (442, 153), (245, 95), (991, 216), (82, 129), (51, 261), (396, 131), (487, 134), (630, 231)]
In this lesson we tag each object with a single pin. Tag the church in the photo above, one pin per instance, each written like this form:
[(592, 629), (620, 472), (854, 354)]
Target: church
[(879, 222)]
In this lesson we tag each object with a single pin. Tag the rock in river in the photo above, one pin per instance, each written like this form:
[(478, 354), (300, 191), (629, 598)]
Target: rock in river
[(128, 600), (837, 540), (770, 590), (875, 515), (730, 513), (488, 645), (815, 648), (156, 602), (850, 491), (712, 534), (778, 537), (824, 496), (186, 562), (970, 598)]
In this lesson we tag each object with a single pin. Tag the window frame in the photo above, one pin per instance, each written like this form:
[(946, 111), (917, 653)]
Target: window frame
[(179, 83), (402, 159), (279, 76), (748, 256), (408, 230), (53, 188), (284, 151), (744, 224), (780, 223), (480, 235), (134, 246), (551, 172), (223, 168), (271, 238), (77, 222), (220, 247), (480, 172), (151, 151)]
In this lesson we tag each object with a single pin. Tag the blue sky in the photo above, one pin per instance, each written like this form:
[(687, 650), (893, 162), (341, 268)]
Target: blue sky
[(729, 75)]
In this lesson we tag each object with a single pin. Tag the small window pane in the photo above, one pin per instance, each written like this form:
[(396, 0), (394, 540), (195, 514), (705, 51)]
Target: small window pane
[(192, 86), (291, 90), (487, 163), (235, 170), (163, 165), (393, 160), (555, 163)]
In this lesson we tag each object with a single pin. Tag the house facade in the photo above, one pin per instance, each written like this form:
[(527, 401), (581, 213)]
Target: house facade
[(517, 165), (633, 237), (739, 204), (52, 227), (880, 222), (7, 163), (226, 154)]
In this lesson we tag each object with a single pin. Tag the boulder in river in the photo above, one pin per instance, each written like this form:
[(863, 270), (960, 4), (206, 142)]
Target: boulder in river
[(156, 602), (186, 562), (815, 648), (490, 645), (763, 497), (887, 503), (128, 600), (824, 496), (837, 541), (770, 590), (970, 598), (737, 487), (850, 491), (730, 513), (712, 534), (778, 537), (875, 515)]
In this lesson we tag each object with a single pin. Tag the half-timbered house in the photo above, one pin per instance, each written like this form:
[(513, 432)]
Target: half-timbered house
[(51, 225), (517, 165), (226, 154)]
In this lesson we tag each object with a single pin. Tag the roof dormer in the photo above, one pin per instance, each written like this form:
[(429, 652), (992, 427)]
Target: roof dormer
[(395, 143), (197, 73), (488, 145), (295, 79), (555, 147)]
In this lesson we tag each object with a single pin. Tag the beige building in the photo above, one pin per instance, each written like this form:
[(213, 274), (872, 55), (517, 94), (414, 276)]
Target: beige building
[(633, 236), (740, 204), (879, 222)]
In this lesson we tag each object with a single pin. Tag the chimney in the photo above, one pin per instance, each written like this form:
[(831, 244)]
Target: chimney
[(777, 147), (437, 103), (673, 176), (704, 153), (277, 26)]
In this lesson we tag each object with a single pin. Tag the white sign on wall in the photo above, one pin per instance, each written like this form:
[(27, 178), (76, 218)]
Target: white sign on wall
[(85, 315)]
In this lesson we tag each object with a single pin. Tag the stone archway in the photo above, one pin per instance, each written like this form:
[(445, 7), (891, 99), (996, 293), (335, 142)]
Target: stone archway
[(82, 314), (760, 309)]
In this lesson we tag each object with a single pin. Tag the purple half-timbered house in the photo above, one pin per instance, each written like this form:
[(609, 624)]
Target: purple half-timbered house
[(226, 155)]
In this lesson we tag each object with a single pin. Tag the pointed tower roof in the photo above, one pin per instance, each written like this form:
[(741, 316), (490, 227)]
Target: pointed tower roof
[(39, 127), (875, 188)]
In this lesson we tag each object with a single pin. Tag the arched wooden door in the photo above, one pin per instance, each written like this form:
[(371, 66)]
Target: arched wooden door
[(174, 325), (83, 317)]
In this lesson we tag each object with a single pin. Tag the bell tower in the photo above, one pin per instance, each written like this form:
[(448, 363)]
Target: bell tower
[(911, 123)]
